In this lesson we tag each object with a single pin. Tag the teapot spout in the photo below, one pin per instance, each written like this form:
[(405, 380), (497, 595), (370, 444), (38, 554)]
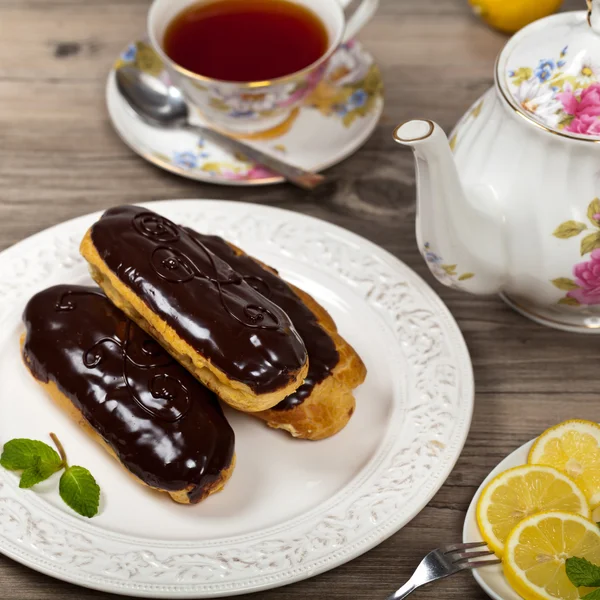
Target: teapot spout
[(459, 232)]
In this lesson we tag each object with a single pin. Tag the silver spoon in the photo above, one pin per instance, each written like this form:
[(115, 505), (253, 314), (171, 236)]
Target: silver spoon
[(161, 105)]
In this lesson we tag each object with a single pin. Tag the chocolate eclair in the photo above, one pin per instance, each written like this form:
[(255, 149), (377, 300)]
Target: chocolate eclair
[(123, 388), (324, 402), (233, 339)]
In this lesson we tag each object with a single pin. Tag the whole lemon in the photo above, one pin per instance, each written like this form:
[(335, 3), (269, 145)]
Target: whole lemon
[(511, 15)]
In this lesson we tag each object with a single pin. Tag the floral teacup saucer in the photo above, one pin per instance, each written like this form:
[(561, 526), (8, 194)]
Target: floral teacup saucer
[(337, 119)]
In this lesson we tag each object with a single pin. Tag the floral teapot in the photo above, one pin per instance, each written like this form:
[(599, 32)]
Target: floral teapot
[(511, 204)]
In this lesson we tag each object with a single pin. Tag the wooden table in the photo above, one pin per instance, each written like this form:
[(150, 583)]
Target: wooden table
[(60, 158)]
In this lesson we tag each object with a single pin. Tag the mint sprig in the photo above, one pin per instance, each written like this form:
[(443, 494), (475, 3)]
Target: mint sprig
[(38, 461)]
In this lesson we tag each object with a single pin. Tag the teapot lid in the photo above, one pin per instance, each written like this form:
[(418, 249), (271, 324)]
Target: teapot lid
[(550, 73)]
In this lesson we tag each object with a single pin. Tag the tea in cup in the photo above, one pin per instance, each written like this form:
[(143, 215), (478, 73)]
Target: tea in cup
[(246, 64)]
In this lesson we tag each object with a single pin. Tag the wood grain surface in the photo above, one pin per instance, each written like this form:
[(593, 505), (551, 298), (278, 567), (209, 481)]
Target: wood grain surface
[(59, 158)]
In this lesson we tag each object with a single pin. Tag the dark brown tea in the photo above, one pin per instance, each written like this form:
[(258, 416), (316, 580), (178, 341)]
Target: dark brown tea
[(245, 40)]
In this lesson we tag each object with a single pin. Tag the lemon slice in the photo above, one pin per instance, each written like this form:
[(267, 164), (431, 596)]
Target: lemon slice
[(572, 447), (517, 493), (536, 551)]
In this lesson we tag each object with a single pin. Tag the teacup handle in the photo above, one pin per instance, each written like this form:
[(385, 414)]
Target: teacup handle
[(593, 15), (358, 17)]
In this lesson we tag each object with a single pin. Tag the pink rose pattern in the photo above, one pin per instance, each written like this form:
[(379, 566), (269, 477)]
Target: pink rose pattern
[(587, 277), (585, 125), (584, 288), (560, 95), (584, 106), (306, 87), (253, 173)]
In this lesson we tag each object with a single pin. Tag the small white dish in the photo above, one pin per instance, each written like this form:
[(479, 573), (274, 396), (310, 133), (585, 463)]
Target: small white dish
[(491, 579), (337, 118)]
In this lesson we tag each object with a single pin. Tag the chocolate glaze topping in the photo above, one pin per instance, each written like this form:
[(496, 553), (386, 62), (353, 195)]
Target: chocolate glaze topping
[(201, 297), (322, 353), (164, 426)]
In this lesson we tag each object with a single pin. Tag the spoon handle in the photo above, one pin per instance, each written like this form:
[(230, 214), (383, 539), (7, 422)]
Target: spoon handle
[(296, 175)]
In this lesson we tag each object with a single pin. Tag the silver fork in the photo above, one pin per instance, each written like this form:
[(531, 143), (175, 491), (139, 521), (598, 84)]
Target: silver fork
[(443, 562)]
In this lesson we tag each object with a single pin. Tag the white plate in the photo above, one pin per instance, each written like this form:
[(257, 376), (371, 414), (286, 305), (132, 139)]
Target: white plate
[(292, 508), (491, 579), (335, 121)]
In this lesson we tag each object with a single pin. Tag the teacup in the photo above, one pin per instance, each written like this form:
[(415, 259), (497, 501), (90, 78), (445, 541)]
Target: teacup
[(255, 106)]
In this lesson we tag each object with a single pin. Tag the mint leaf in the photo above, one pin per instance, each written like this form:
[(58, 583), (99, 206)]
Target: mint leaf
[(38, 472), (595, 595), (582, 572), (79, 490), (20, 454), (38, 461)]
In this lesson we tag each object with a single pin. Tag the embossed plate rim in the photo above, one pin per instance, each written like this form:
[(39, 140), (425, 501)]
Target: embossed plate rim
[(305, 560)]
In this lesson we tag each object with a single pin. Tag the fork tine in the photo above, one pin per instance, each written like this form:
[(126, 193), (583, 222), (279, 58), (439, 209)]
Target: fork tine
[(455, 547), (478, 563), (461, 556)]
